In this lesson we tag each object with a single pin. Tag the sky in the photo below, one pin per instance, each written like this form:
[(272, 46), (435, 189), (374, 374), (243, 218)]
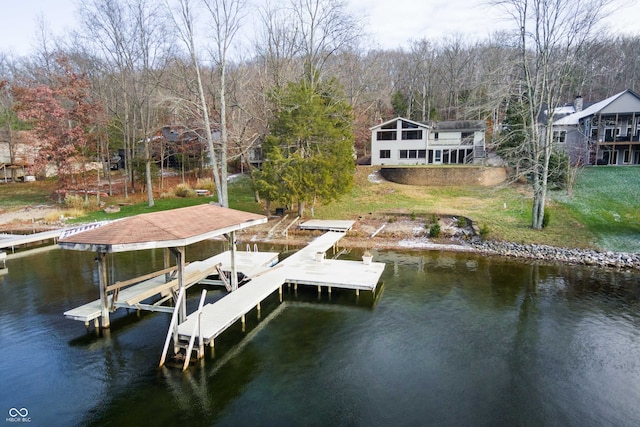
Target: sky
[(391, 23)]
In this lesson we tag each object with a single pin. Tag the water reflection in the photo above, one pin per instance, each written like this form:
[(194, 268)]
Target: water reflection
[(450, 339)]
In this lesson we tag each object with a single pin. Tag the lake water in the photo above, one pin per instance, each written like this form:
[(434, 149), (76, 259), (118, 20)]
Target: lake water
[(451, 339)]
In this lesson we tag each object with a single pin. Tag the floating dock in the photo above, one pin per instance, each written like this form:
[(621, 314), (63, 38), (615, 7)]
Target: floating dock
[(305, 267)]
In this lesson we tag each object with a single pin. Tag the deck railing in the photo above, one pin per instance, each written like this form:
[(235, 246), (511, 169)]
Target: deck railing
[(172, 326)]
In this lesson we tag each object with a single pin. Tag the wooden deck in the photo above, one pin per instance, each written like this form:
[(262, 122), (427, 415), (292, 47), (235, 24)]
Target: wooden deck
[(300, 268), (247, 263), (327, 225)]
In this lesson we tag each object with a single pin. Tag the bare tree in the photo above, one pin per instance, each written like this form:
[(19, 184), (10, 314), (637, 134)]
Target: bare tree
[(551, 37), (226, 16), (276, 45), (132, 40), (324, 28), (185, 21)]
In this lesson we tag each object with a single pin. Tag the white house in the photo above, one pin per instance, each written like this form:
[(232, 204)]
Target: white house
[(402, 141), (605, 133)]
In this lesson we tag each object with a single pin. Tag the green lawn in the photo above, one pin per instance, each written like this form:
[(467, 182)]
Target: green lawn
[(603, 212), (607, 201)]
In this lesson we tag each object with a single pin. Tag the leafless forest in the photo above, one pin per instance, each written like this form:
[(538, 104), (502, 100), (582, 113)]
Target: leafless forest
[(151, 64)]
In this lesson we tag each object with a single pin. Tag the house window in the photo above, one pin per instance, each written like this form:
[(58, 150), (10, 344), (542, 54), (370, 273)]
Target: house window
[(413, 154), (407, 125), (385, 154), (454, 156), (411, 134), (608, 135), (626, 156), (391, 125), (435, 135), (404, 154), (559, 136), (422, 154), (386, 135)]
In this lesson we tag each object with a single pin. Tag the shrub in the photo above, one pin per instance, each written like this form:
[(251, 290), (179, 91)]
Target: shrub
[(183, 190), (484, 231), (462, 222), (412, 216), (74, 201), (206, 184), (434, 231), (546, 218)]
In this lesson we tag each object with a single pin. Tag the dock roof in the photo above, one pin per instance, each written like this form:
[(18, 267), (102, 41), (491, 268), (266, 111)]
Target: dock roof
[(165, 229)]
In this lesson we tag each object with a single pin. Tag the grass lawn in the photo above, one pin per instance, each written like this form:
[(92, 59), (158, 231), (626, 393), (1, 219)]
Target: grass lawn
[(505, 210), (606, 200), (603, 212), (15, 195)]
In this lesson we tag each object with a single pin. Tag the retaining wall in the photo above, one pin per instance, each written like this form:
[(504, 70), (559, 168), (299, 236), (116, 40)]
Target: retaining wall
[(445, 175)]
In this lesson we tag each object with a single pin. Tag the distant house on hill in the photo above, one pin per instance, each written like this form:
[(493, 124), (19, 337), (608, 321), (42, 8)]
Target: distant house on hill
[(18, 156), (402, 141), (603, 133)]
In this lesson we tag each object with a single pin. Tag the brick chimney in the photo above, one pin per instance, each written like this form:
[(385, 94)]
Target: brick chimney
[(578, 103)]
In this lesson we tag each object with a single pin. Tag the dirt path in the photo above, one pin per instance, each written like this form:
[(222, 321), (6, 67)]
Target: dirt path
[(30, 217)]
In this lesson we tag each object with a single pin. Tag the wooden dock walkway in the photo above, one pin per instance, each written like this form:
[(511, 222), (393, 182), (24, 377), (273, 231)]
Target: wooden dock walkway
[(14, 240), (300, 268)]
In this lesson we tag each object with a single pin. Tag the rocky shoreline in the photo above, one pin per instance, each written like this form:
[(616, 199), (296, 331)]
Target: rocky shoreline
[(618, 260), (403, 236)]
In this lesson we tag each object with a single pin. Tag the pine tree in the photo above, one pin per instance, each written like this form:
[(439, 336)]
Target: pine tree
[(309, 151)]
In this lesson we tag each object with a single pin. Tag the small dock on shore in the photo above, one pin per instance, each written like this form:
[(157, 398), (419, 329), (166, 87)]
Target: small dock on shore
[(15, 240)]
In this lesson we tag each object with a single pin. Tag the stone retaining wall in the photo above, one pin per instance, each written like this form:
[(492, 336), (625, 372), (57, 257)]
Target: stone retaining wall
[(445, 175), (621, 260)]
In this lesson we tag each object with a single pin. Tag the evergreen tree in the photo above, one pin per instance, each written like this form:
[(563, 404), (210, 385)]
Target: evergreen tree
[(309, 151)]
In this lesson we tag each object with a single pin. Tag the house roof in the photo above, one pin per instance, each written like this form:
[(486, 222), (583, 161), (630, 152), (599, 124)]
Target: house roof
[(574, 119), (165, 229), (460, 125), (423, 125)]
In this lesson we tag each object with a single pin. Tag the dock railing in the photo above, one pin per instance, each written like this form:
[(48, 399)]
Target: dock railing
[(196, 328), (172, 326)]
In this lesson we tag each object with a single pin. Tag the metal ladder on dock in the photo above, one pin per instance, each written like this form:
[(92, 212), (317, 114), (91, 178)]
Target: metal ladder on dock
[(184, 345)]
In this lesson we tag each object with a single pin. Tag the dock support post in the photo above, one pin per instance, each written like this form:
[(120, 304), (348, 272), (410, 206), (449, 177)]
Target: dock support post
[(280, 292), (259, 310), (234, 273), (357, 292), (244, 323), (104, 300), (179, 254), (167, 263)]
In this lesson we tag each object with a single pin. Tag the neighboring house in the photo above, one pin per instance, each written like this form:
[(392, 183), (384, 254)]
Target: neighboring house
[(603, 133), (405, 142)]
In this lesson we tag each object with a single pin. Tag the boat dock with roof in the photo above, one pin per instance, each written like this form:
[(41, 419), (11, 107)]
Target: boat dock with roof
[(260, 272)]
